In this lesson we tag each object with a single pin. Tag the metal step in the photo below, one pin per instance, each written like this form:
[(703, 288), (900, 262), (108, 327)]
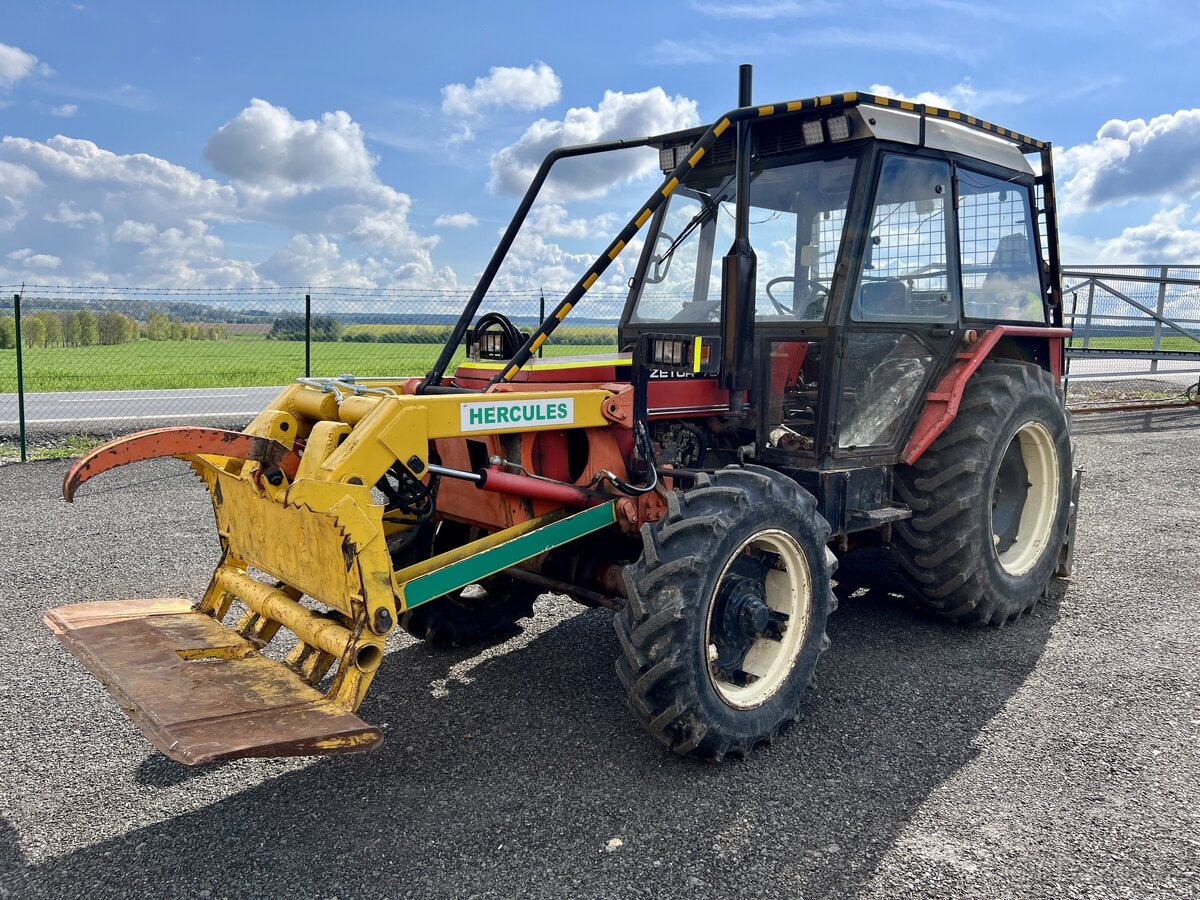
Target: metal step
[(197, 689)]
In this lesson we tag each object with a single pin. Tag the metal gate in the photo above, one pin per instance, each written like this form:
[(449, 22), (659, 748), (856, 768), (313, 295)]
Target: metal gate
[(1132, 322)]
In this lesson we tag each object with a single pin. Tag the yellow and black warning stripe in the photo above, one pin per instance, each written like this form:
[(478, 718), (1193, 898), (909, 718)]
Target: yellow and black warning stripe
[(827, 102), (614, 249)]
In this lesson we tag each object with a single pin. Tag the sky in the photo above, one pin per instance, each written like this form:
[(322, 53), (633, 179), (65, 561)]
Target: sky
[(242, 145)]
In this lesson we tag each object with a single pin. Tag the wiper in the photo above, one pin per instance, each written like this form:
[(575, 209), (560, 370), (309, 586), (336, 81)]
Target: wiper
[(708, 210)]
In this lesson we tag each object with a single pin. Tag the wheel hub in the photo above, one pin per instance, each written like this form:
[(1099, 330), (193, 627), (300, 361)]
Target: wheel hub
[(1008, 497), (746, 610)]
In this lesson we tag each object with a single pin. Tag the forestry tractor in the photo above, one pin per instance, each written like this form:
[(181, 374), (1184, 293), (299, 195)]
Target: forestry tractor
[(875, 359)]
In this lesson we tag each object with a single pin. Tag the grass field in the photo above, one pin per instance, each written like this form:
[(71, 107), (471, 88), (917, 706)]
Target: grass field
[(437, 334), (1175, 342), (244, 362), (248, 360)]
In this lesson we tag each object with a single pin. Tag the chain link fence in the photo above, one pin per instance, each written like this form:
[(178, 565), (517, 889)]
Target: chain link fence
[(99, 361)]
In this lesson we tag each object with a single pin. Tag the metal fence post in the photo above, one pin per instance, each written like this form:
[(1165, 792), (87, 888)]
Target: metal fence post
[(1162, 302), (308, 335), (20, 380), (1087, 322), (541, 312)]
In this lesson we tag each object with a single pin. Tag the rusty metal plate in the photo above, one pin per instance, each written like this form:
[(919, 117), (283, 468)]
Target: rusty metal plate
[(198, 690)]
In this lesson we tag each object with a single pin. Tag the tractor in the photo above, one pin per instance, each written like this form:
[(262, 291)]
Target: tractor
[(876, 358)]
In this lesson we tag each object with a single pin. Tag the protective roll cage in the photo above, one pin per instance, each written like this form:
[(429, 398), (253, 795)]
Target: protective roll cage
[(741, 325)]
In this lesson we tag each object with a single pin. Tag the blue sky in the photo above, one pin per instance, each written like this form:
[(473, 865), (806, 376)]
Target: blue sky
[(233, 144)]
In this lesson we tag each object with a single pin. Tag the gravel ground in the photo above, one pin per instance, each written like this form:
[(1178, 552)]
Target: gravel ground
[(1054, 758)]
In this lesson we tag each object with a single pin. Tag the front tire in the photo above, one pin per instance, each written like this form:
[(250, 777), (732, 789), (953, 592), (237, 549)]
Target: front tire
[(990, 499), (477, 614), (726, 613)]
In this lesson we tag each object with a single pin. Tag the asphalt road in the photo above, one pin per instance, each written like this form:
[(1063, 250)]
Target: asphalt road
[(1054, 758), (90, 412), (83, 410)]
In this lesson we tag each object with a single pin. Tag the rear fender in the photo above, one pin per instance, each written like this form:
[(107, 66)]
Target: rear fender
[(941, 404)]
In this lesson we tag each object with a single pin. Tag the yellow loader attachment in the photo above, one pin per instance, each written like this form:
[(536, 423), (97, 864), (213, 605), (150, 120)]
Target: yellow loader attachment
[(305, 561)]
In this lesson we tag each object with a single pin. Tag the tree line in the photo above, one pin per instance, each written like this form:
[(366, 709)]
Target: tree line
[(85, 328)]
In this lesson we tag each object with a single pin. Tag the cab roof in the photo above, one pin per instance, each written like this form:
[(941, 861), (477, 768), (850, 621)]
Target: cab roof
[(871, 116)]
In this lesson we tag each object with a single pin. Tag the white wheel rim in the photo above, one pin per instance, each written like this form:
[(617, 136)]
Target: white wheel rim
[(788, 591), (1036, 524)]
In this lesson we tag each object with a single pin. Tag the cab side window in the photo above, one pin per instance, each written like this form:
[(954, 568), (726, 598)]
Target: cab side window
[(999, 254), (905, 274)]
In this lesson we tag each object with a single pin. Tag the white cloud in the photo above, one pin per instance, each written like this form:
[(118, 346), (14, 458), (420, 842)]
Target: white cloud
[(67, 214), (139, 220), (539, 259), (1166, 239), (318, 260), (264, 146), (963, 96), (1134, 160), (16, 64), (131, 232), (65, 111), (30, 260), (456, 220), (618, 115), (531, 87), (79, 169), (769, 9)]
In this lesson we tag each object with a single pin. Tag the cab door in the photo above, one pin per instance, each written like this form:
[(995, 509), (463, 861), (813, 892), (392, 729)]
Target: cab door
[(903, 316)]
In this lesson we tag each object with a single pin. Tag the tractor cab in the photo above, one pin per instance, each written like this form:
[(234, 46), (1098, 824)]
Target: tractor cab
[(878, 237)]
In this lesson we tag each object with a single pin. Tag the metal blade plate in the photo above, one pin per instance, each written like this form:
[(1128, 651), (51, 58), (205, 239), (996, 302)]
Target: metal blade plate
[(197, 689)]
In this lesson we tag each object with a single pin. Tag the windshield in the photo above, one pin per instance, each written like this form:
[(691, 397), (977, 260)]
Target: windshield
[(797, 213)]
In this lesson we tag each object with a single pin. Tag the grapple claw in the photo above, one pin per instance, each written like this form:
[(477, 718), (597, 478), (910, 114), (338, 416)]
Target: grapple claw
[(181, 442)]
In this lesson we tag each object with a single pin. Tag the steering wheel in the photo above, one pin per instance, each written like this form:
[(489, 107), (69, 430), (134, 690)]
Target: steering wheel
[(815, 291), (699, 311)]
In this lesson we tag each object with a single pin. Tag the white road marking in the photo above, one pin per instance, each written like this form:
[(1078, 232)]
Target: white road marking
[(91, 419), (125, 398)]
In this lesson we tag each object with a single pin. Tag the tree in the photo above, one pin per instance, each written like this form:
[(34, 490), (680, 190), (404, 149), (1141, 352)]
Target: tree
[(70, 329), (8, 332), (53, 330), (33, 331), (291, 328), (116, 328), (89, 333), (157, 327)]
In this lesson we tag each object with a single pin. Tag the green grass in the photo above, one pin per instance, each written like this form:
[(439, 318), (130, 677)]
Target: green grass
[(246, 362), (1169, 342), (436, 334), (65, 447)]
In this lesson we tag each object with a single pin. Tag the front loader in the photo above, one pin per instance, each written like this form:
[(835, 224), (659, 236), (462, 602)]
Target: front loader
[(876, 359)]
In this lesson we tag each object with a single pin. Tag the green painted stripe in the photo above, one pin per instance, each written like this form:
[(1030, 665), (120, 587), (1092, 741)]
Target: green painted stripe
[(497, 559)]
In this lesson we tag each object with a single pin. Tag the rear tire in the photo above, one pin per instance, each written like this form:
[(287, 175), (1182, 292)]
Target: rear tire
[(726, 613), (990, 499)]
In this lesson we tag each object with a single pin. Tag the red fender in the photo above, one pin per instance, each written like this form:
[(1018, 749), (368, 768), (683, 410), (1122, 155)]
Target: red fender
[(942, 402)]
